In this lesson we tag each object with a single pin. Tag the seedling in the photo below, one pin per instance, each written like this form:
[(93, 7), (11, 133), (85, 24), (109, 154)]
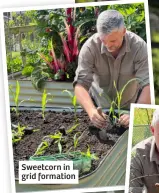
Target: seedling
[(72, 128), (58, 138), (44, 101), (75, 140), (42, 148), (74, 103), (15, 95), (120, 93), (89, 155), (17, 135), (116, 104)]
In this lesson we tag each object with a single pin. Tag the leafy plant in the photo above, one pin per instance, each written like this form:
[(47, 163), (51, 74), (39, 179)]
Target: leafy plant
[(72, 128), (41, 149), (44, 101), (15, 95), (74, 103), (75, 140), (58, 138), (17, 135), (58, 66), (89, 155), (39, 75), (116, 103), (120, 93), (61, 34)]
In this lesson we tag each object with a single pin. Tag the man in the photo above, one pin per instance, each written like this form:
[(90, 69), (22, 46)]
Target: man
[(111, 55), (144, 169)]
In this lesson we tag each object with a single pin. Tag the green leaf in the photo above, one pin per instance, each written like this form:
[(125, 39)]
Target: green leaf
[(74, 100), (60, 147), (17, 92), (69, 93), (72, 128)]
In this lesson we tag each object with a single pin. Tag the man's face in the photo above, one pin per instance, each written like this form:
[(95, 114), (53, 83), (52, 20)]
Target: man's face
[(113, 41), (155, 132)]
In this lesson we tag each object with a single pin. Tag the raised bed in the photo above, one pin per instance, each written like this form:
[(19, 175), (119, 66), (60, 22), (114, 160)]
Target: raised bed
[(108, 170), (54, 88)]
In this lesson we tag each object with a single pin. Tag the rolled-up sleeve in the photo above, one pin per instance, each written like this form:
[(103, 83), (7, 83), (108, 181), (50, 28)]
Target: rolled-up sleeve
[(84, 72), (141, 64)]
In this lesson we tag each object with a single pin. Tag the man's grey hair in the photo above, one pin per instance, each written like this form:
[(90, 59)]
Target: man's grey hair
[(155, 118), (108, 21)]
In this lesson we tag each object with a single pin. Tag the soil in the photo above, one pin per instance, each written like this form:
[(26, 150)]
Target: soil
[(37, 128)]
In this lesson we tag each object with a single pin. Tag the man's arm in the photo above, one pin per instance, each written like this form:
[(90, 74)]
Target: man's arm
[(144, 97), (86, 102)]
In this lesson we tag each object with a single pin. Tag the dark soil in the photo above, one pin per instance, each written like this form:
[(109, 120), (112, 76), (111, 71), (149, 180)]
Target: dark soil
[(56, 122)]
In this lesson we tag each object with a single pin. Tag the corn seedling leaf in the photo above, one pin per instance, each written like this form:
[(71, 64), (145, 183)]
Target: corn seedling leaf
[(59, 147), (17, 92), (72, 128), (69, 93), (74, 101)]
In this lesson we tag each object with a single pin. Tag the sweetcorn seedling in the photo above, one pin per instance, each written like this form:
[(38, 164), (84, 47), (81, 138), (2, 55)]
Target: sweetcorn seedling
[(116, 103), (15, 95), (74, 103), (72, 128), (89, 155), (76, 140), (120, 93), (44, 101), (57, 137), (42, 148), (17, 135)]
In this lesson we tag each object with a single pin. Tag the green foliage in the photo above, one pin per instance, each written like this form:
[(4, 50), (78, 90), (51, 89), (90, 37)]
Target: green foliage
[(27, 70), (39, 75), (116, 103), (58, 138), (42, 148), (134, 17), (120, 93), (14, 64), (89, 155), (15, 94), (141, 124), (74, 103), (16, 97), (155, 58), (73, 128), (75, 140), (44, 101), (17, 135)]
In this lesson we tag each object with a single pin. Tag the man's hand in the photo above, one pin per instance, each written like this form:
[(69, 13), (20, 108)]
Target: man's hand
[(97, 117), (124, 120)]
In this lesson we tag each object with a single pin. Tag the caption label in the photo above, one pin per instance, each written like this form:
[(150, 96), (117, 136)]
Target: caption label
[(47, 172)]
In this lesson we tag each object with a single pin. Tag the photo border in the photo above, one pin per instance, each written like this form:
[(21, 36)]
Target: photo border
[(130, 135), (5, 77)]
